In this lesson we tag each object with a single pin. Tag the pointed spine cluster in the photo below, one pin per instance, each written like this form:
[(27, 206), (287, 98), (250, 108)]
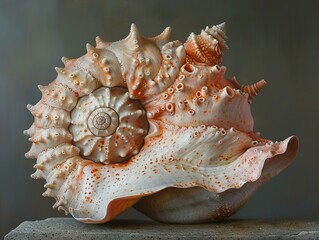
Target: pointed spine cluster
[(153, 64)]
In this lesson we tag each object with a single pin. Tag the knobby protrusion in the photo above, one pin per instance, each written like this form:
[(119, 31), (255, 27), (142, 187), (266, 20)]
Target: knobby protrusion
[(98, 41), (65, 60), (162, 38), (134, 34), (89, 48)]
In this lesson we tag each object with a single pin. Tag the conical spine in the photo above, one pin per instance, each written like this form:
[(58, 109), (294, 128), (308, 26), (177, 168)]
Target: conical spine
[(252, 90)]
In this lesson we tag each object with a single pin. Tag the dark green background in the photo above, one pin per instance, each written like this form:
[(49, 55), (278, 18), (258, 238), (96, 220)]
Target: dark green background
[(275, 40)]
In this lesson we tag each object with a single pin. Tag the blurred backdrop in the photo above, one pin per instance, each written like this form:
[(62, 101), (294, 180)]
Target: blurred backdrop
[(274, 40)]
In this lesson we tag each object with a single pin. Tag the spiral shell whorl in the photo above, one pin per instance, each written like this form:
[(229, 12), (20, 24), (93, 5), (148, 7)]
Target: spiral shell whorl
[(108, 126), (208, 46), (117, 127), (103, 121)]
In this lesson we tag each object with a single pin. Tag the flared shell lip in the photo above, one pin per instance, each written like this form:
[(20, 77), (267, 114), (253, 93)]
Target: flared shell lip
[(270, 168), (282, 160)]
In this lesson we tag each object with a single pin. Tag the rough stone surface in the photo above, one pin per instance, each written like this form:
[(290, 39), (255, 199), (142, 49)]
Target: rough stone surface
[(68, 228)]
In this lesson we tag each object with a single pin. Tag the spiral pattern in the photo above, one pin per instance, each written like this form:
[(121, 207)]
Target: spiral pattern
[(105, 120)]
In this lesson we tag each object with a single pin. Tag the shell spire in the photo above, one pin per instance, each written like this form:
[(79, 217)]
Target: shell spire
[(208, 46), (222, 26)]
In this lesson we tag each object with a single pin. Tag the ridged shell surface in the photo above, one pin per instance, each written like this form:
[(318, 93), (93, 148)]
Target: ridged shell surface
[(105, 120), (153, 122)]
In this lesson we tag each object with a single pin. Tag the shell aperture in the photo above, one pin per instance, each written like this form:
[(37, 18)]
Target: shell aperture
[(135, 119)]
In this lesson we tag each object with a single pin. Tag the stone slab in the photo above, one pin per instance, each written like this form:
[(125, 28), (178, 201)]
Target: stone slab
[(68, 228)]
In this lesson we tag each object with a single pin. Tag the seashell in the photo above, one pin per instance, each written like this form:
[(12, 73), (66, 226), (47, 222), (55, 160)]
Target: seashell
[(152, 123), (208, 46)]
